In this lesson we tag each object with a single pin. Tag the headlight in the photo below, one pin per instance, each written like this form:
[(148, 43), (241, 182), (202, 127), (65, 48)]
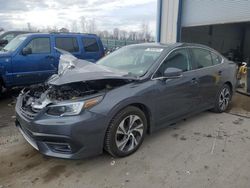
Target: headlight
[(74, 108)]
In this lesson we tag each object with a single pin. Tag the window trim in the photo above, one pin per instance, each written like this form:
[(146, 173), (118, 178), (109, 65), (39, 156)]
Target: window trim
[(63, 37), (187, 47), (40, 38)]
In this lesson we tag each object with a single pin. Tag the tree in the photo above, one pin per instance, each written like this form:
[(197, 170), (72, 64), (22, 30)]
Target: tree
[(29, 27), (123, 34), (63, 30), (83, 24), (116, 33), (145, 33), (91, 26), (74, 26)]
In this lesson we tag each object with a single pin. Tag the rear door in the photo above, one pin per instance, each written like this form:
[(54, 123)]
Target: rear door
[(209, 75), (37, 66), (91, 48), (180, 96)]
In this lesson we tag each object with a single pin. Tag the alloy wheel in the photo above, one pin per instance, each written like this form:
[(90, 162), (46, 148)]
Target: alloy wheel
[(224, 99), (129, 133)]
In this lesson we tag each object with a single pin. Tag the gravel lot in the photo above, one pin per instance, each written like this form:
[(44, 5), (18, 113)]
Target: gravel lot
[(208, 150)]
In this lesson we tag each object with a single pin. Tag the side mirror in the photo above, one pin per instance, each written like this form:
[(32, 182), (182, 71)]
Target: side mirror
[(172, 73), (27, 51), (3, 42)]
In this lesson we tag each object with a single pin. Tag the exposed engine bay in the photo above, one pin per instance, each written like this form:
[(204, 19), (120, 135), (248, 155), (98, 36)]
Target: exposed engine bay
[(76, 79), (37, 97)]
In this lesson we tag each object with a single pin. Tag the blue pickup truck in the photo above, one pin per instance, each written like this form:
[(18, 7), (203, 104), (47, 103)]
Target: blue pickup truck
[(32, 58)]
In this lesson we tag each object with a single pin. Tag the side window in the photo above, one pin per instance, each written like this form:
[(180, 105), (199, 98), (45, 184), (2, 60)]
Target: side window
[(9, 37), (90, 45), (202, 58), (177, 59), (216, 59), (68, 44), (39, 45)]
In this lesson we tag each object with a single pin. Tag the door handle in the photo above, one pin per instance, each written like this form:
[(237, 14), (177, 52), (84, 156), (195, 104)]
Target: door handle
[(220, 72)]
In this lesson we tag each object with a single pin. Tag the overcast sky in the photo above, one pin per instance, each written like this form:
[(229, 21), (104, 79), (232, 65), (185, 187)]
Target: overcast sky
[(124, 14)]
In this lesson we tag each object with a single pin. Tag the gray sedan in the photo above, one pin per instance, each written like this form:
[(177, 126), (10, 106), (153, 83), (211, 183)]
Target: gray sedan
[(111, 105)]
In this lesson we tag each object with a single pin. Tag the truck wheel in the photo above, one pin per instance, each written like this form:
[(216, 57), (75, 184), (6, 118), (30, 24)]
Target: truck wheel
[(223, 99), (126, 132)]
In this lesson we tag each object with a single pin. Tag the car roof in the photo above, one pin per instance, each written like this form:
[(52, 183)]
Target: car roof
[(59, 34), (7, 32), (172, 45)]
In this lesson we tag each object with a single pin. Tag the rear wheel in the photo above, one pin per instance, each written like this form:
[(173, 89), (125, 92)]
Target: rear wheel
[(223, 99), (126, 132)]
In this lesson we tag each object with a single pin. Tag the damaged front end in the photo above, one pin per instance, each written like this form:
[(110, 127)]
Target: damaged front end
[(78, 84)]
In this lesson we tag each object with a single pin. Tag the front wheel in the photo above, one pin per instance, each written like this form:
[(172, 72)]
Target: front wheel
[(223, 99), (126, 132)]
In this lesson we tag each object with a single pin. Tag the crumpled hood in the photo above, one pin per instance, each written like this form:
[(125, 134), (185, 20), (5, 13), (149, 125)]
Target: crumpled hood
[(72, 70)]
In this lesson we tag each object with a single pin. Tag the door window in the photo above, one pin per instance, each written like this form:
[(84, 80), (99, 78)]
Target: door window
[(202, 58), (67, 43), (216, 59), (90, 45), (177, 59), (39, 45)]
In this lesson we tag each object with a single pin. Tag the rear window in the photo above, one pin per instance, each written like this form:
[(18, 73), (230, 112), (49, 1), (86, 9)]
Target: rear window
[(68, 44), (202, 58), (216, 59), (90, 45)]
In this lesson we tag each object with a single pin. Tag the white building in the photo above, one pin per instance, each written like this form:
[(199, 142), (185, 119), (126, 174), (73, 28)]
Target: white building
[(222, 24)]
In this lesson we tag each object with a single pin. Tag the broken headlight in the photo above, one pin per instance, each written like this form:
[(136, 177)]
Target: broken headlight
[(74, 108)]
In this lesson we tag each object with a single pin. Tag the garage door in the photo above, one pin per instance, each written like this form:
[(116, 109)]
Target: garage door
[(206, 12)]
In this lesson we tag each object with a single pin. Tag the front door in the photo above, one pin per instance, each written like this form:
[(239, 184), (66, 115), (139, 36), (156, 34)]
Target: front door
[(36, 65)]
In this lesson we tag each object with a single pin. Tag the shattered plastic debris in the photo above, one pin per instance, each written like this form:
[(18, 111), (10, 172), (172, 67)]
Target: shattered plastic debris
[(112, 163)]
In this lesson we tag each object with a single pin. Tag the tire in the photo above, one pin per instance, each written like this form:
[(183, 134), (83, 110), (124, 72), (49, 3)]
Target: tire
[(223, 99), (123, 137)]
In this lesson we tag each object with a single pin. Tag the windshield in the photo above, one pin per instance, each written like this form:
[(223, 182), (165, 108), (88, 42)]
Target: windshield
[(1, 33), (136, 60), (14, 44)]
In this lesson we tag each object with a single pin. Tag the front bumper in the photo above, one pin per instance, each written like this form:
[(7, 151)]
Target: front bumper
[(72, 137)]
